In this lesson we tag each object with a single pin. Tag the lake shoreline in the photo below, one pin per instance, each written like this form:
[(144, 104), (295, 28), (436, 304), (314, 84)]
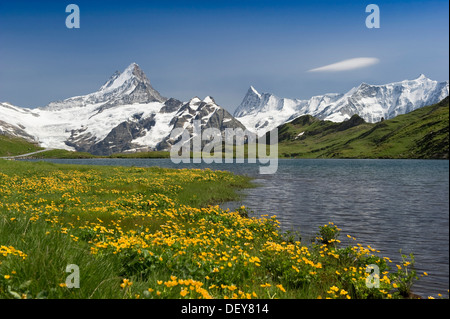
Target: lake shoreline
[(275, 250)]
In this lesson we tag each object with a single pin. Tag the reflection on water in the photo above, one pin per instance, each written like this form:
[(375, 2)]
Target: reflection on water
[(388, 204)]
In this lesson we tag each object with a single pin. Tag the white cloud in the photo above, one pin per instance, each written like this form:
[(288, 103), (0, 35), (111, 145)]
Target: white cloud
[(350, 64)]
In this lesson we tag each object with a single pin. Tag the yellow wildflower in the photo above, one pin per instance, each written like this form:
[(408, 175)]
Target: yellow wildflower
[(184, 292), (281, 288), (125, 283)]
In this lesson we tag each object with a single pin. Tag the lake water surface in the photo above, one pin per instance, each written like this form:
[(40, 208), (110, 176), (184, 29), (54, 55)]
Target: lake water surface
[(387, 204)]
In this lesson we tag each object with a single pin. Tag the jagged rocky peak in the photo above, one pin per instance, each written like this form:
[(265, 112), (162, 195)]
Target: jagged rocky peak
[(137, 72), (195, 100), (171, 105), (122, 88), (253, 90), (250, 103), (209, 100), (132, 73), (197, 104), (132, 82)]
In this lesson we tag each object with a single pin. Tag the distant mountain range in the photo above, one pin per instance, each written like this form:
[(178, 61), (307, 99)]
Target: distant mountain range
[(422, 133), (127, 114), (265, 111)]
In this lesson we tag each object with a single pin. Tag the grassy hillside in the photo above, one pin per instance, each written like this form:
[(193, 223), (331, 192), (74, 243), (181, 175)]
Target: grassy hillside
[(11, 146), (423, 133), (63, 154)]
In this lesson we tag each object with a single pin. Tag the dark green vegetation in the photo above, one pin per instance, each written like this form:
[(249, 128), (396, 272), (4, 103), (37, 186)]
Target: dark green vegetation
[(154, 154), (63, 154), (423, 133)]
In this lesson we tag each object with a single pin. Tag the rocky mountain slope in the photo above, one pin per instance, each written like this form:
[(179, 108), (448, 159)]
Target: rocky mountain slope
[(125, 114)]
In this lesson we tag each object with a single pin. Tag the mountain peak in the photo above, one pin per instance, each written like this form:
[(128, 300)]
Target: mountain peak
[(135, 70), (250, 103), (195, 100), (122, 88), (119, 79), (133, 65), (209, 100), (421, 77), (132, 82)]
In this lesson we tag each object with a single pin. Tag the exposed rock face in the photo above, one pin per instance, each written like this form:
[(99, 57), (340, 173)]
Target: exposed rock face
[(127, 135), (207, 113), (171, 105), (120, 138), (17, 131)]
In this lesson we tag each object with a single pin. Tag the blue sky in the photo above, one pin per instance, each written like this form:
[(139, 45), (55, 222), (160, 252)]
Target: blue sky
[(217, 48)]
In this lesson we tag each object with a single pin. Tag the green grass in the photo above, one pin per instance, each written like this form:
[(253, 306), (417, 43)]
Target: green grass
[(154, 154), (48, 254), (63, 154), (11, 146)]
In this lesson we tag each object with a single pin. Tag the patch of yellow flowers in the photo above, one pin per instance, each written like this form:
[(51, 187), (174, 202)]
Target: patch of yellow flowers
[(10, 250)]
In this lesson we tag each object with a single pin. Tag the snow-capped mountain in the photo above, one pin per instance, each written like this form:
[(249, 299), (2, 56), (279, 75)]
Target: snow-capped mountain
[(129, 87), (125, 114), (262, 112)]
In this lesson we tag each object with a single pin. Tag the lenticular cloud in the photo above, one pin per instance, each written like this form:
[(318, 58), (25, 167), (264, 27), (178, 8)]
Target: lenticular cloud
[(350, 64)]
